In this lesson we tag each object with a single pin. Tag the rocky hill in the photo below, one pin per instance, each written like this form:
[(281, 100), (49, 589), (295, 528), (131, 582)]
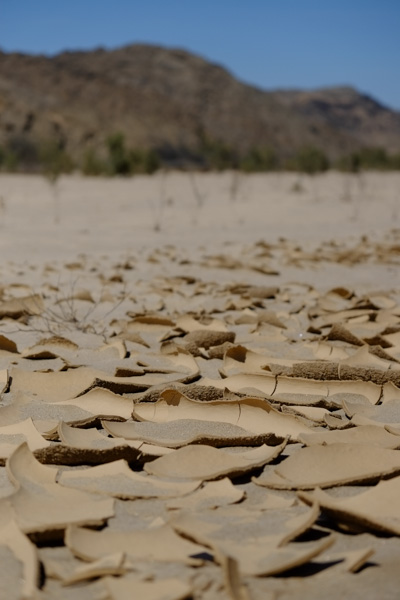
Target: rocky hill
[(172, 101)]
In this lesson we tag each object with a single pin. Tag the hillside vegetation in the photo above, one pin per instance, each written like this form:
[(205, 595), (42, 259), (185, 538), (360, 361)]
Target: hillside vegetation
[(138, 108)]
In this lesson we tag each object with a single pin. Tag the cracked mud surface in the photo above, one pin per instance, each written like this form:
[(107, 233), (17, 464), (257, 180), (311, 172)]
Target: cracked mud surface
[(188, 415)]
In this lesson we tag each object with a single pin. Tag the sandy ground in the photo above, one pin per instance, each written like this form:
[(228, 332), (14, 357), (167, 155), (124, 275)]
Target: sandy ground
[(115, 216), (270, 304), (201, 213)]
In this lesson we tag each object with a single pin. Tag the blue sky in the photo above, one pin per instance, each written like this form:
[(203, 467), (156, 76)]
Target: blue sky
[(269, 43)]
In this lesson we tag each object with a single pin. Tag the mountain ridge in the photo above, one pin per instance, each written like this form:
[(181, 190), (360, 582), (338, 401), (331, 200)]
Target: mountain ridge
[(172, 100)]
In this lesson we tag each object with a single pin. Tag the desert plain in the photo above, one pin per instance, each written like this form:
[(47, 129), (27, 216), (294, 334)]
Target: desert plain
[(200, 387)]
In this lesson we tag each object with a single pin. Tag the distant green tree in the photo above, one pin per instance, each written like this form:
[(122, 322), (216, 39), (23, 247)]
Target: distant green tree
[(151, 162), (144, 161), (366, 159), (350, 163), (374, 158), (259, 160), (118, 155), (10, 161), (216, 154), (54, 160), (92, 164), (221, 157), (395, 161), (136, 161), (309, 160), (21, 153)]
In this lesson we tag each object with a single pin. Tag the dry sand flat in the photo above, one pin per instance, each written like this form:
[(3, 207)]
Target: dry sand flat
[(200, 387)]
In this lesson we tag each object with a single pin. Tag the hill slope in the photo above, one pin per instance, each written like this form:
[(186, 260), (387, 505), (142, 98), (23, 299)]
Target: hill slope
[(172, 100)]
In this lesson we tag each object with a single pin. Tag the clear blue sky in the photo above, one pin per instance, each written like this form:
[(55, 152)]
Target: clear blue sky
[(269, 43)]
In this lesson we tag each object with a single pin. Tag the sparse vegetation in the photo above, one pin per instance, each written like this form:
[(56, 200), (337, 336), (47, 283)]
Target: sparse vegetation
[(144, 161), (395, 161), (22, 154), (349, 163), (260, 160), (54, 160), (309, 160), (369, 159), (217, 155), (374, 158), (68, 312), (119, 163), (92, 164), (124, 161)]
